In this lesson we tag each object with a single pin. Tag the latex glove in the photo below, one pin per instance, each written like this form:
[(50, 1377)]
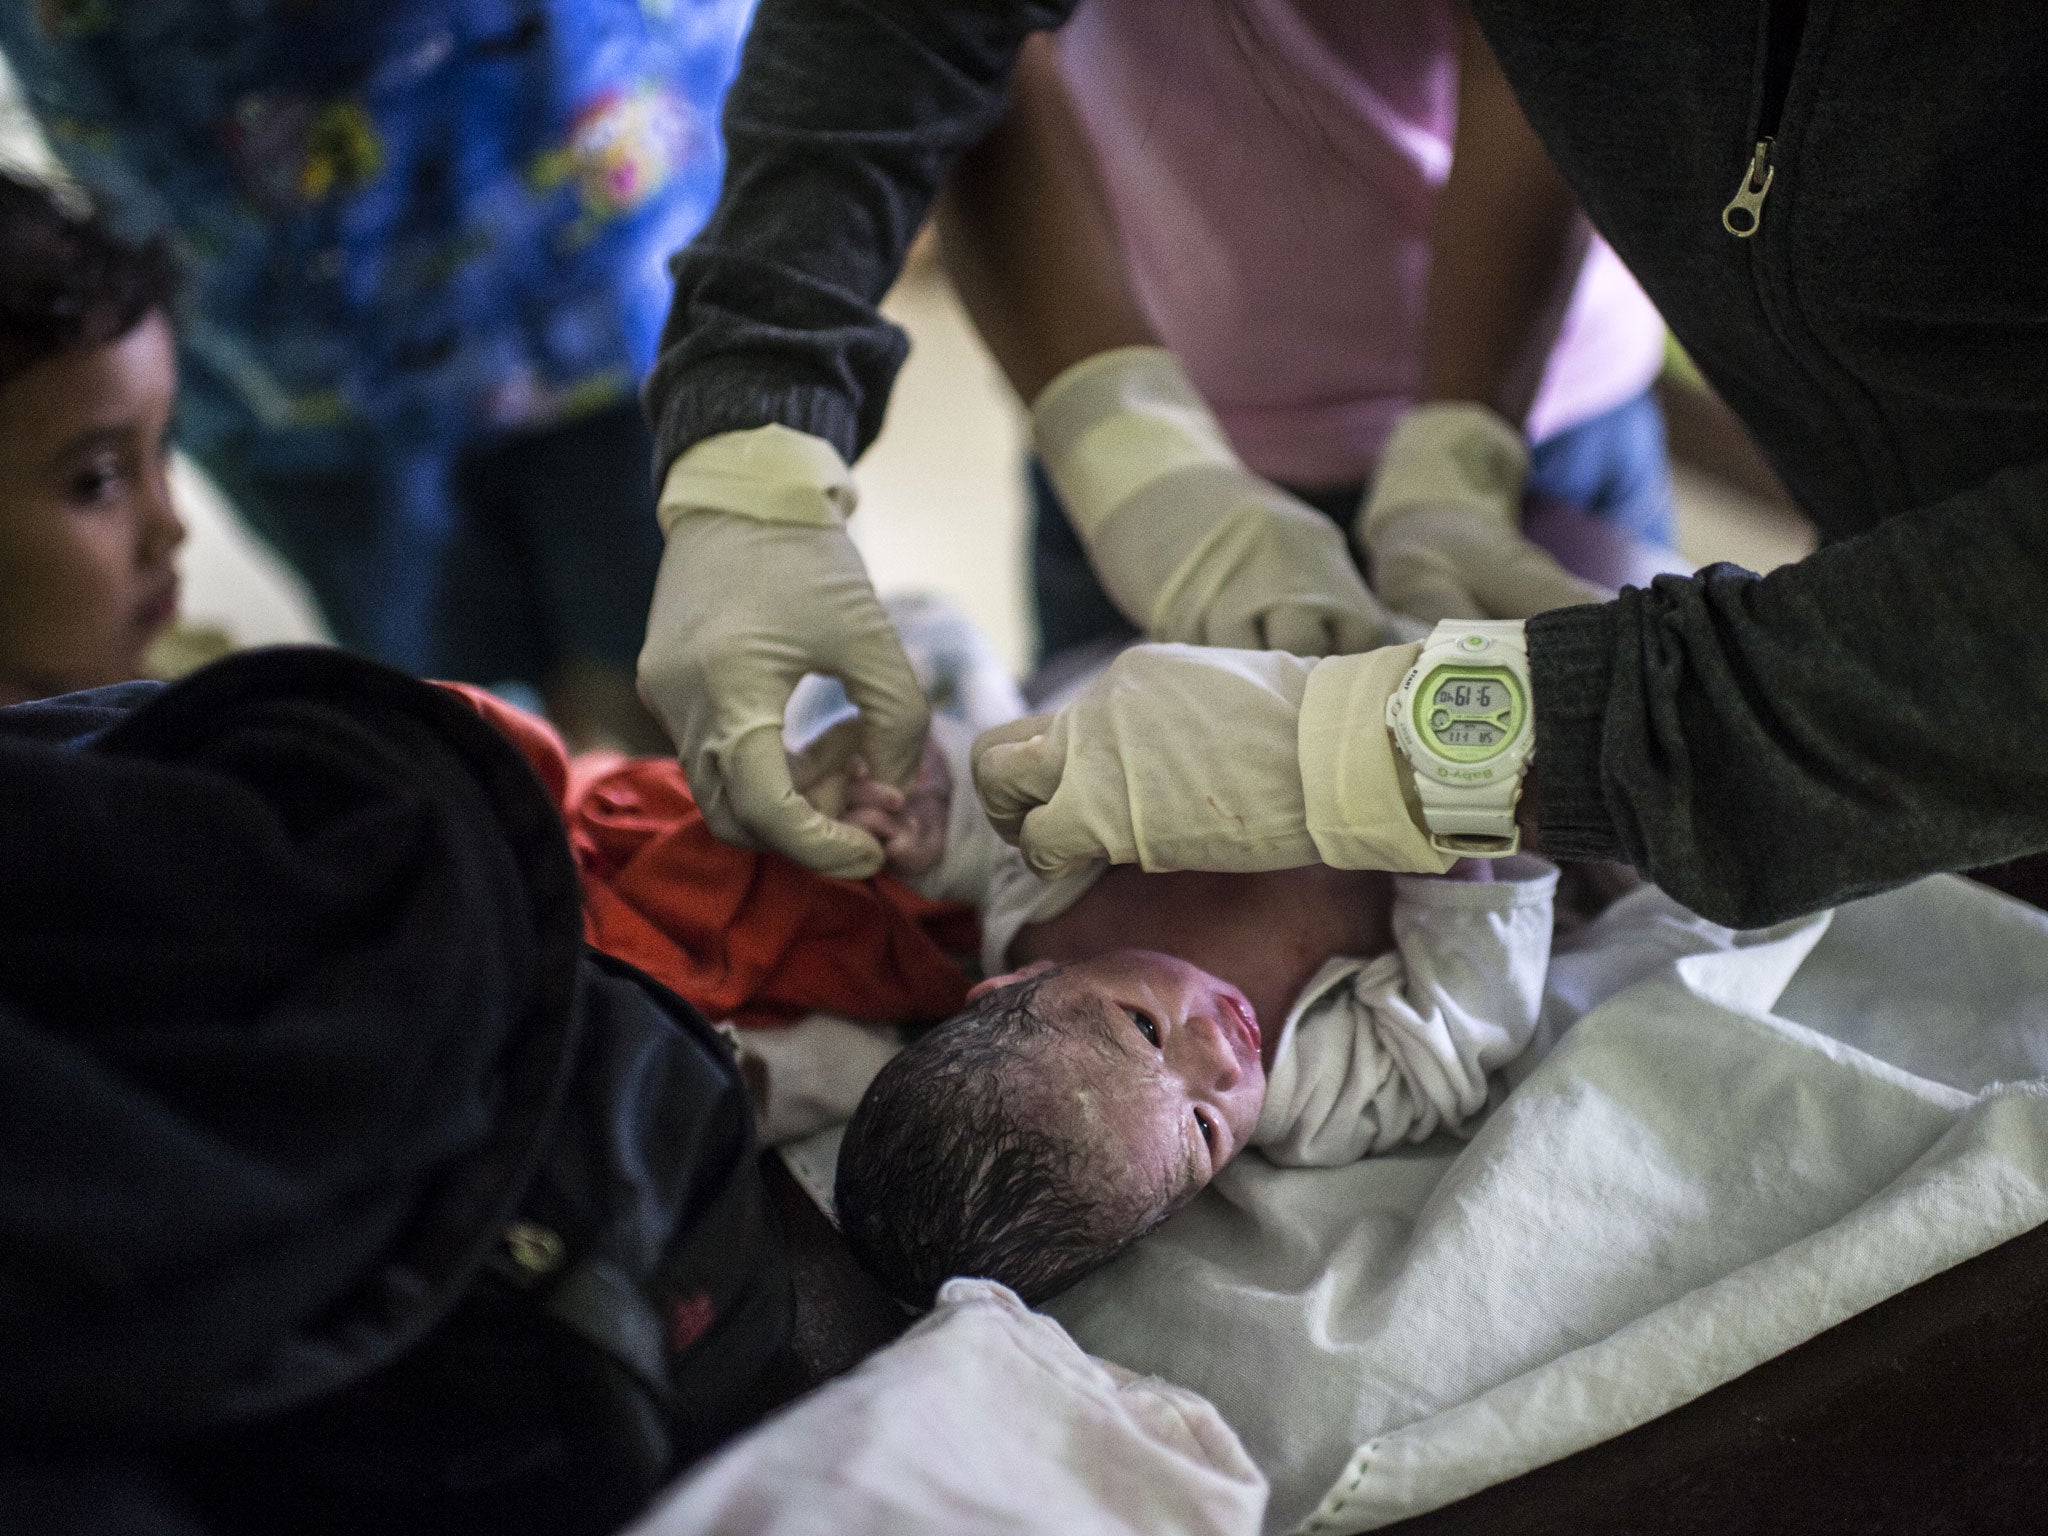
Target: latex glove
[(759, 585), (1184, 757), (1193, 546), (1442, 524)]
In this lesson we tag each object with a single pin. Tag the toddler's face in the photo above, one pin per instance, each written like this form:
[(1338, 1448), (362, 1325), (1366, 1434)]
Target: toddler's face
[(87, 531), (1151, 1060)]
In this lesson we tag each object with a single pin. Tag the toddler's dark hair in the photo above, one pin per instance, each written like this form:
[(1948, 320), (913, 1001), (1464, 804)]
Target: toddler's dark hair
[(66, 279), (943, 1172)]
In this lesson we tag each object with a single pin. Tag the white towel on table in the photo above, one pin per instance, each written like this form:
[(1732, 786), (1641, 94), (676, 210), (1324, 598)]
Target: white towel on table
[(1742, 1140), (983, 1419)]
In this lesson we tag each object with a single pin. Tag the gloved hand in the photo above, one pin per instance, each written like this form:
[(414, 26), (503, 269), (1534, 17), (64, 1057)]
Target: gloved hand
[(759, 585), (1193, 546), (1442, 523), (1183, 757)]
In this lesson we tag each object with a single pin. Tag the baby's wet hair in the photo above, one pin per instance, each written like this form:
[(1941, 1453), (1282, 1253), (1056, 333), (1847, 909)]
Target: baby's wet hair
[(67, 280), (947, 1167)]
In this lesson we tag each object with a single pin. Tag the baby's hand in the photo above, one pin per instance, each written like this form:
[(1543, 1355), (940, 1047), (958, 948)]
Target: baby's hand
[(910, 825)]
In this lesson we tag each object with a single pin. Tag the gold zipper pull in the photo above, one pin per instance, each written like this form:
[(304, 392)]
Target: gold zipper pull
[(1745, 210)]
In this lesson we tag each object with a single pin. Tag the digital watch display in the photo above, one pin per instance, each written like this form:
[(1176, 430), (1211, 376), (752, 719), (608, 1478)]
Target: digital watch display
[(1469, 714), (1462, 719)]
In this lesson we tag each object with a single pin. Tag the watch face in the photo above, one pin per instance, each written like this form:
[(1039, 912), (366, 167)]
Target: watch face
[(1469, 714)]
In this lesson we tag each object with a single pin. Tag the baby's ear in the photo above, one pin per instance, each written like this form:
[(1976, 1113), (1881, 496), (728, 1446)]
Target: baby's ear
[(982, 989)]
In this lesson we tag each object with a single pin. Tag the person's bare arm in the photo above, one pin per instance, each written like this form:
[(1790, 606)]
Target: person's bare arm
[(1028, 236), (1505, 251), (1441, 525)]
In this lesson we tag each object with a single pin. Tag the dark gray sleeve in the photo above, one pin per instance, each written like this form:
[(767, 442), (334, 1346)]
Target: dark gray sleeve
[(1765, 746), (845, 116)]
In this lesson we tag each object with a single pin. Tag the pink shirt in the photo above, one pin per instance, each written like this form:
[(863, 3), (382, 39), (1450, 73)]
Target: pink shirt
[(1275, 200)]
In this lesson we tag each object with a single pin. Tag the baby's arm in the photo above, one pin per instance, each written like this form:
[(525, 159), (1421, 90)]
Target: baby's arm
[(1379, 1052)]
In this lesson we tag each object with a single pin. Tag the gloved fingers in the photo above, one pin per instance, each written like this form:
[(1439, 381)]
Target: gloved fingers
[(755, 782), (707, 787), (1527, 581), (1432, 594), (1298, 628), (1413, 572), (1357, 629), (1339, 629), (1403, 629), (1016, 770), (895, 716), (1054, 847), (1241, 631)]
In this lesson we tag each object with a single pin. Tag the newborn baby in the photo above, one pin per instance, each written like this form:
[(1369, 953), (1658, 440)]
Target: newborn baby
[(1137, 1031)]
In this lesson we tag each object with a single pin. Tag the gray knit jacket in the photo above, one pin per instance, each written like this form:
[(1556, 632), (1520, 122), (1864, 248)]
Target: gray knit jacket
[(1758, 746)]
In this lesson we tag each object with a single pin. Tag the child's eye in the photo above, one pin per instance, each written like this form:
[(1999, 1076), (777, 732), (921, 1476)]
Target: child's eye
[(1208, 1129), (1145, 1025), (94, 485)]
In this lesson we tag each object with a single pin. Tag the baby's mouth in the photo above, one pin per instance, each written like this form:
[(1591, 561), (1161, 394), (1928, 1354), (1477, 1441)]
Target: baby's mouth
[(1239, 1012)]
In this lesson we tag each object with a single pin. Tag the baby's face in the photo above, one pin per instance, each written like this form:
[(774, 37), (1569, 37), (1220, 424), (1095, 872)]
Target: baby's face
[(87, 532), (1152, 1060)]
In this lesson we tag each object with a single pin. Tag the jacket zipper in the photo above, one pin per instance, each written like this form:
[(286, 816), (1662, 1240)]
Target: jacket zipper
[(1784, 22)]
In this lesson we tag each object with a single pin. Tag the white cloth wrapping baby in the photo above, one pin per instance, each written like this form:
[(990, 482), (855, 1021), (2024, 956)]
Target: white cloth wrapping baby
[(1742, 1140), (1377, 1052)]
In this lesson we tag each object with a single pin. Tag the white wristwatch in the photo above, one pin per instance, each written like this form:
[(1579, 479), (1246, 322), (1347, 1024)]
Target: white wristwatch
[(1462, 717)]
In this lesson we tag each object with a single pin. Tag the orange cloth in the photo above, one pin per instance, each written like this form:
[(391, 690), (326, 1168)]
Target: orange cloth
[(752, 937)]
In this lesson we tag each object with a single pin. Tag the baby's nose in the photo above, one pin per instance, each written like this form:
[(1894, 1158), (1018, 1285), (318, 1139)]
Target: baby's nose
[(1218, 1066)]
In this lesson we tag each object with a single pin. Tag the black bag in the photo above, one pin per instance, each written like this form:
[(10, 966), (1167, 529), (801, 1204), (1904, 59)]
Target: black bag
[(384, 1205)]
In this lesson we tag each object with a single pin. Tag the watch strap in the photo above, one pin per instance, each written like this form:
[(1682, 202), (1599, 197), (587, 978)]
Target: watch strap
[(1474, 819), (1514, 633), (1471, 830)]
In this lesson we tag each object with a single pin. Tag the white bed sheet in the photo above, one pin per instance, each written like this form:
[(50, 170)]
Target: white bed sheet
[(983, 1420), (1742, 1140)]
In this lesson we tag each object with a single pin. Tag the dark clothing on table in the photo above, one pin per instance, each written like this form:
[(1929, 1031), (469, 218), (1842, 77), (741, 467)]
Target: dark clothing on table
[(296, 1023), (285, 953), (1759, 747)]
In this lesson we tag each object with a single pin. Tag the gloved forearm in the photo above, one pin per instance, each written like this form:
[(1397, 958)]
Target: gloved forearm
[(844, 118), (1763, 747), (1194, 547), (1197, 757)]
